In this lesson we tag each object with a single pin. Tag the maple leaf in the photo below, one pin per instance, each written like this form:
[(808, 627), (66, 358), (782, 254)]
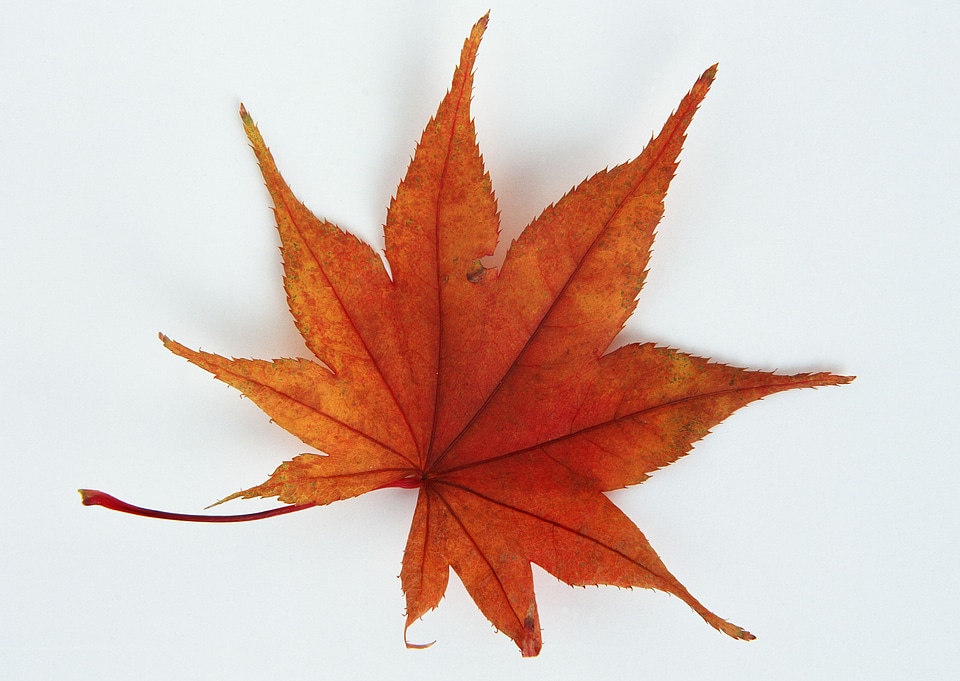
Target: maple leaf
[(490, 392)]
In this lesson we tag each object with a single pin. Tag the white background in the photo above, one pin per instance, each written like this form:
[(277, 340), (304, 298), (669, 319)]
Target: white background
[(813, 225)]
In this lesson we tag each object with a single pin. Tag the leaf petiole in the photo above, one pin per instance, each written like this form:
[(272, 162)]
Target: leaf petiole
[(94, 497)]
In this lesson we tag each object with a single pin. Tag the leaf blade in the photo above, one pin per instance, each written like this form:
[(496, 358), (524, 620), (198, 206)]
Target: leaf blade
[(443, 219)]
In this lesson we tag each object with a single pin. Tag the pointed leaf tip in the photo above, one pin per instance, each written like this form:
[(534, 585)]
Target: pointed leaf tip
[(739, 633), (478, 29), (705, 81)]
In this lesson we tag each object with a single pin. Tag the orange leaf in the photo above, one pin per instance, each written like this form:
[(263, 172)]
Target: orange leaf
[(490, 392)]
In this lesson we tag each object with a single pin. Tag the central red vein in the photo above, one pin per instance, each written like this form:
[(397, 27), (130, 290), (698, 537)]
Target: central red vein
[(467, 76)]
